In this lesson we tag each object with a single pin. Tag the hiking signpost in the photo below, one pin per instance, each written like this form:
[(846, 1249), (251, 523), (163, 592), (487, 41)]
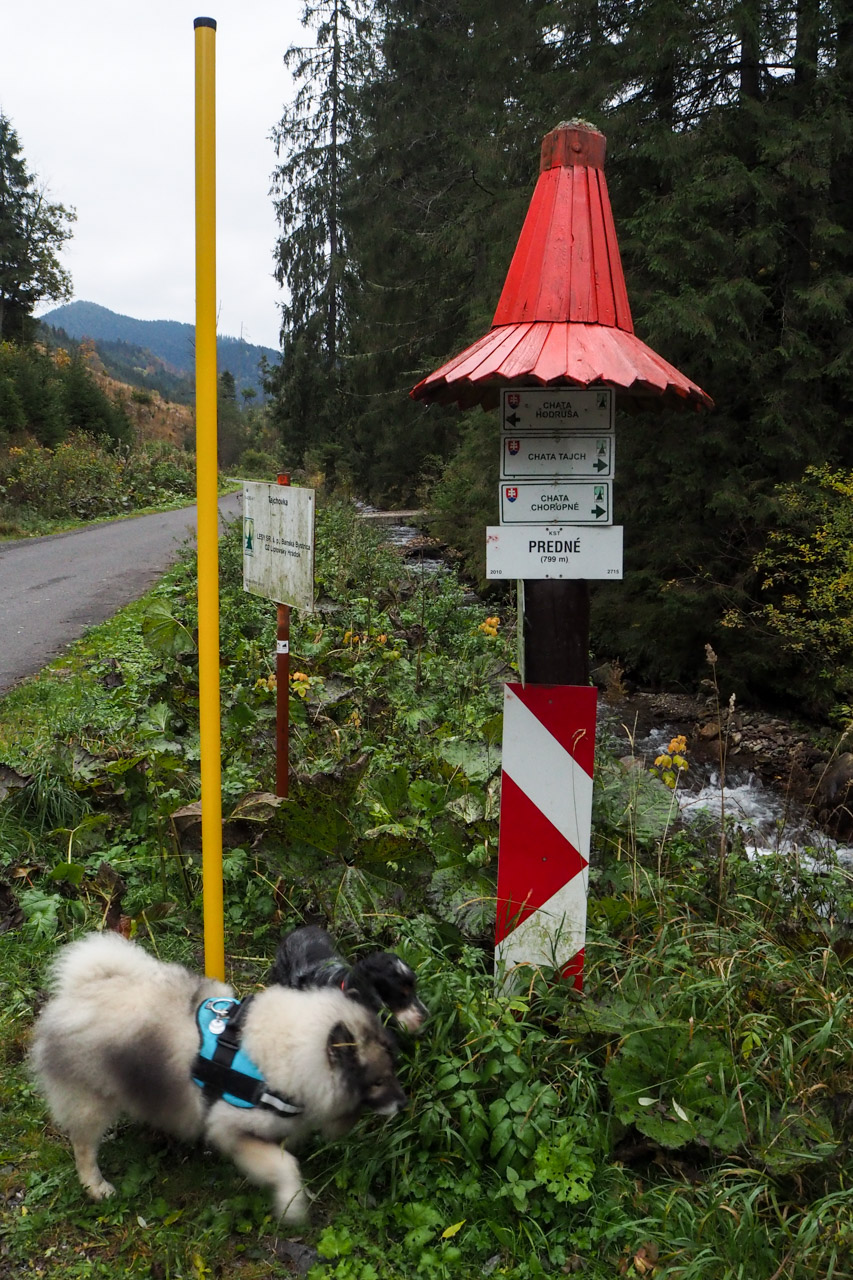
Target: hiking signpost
[(553, 551), (560, 350), (278, 543), (556, 526), (278, 564), (570, 409), (555, 497), (528, 457)]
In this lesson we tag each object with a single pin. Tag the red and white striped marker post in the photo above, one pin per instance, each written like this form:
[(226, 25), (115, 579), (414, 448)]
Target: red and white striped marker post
[(545, 824)]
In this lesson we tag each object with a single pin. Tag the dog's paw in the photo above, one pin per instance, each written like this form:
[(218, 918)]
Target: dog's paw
[(292, 1207), (101, 1190)]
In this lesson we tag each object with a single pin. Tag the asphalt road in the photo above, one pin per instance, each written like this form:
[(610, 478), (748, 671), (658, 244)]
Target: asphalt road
[(53, 588)]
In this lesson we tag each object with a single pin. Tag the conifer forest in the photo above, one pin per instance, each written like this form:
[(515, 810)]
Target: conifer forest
[(404, 168)]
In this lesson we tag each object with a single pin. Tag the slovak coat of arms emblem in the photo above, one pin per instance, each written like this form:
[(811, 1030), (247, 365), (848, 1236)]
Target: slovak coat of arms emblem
[(511, 493), (513, 399), (513, 446)]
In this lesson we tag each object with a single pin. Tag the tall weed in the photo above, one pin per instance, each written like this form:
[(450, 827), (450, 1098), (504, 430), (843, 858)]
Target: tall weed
[(81, 477)]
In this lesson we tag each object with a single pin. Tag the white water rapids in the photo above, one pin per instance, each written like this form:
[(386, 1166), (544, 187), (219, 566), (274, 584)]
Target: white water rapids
[(768, 820)]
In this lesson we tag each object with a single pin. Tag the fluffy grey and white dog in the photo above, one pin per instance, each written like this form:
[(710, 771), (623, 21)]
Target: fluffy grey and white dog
[(121, 1034)]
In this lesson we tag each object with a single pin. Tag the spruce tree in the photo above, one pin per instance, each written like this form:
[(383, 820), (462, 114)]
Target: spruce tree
[(312, 142), (441, 175), (729, 131), (32, 230), (87, 408), (738, 263)]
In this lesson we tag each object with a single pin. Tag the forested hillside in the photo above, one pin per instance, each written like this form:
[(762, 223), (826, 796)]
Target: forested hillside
[(405, 169), (77, 444), (128, 363), (123, 343)]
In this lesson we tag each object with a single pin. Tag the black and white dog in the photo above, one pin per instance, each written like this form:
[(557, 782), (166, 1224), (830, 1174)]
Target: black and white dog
[(307, 958)]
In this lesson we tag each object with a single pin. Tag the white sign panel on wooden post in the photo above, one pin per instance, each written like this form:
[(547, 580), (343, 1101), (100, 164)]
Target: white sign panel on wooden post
[(557, 409), (556, 455), (556, 502), (554, 551), (278, 543)]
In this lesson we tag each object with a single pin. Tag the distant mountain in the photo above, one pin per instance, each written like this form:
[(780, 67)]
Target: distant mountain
[(169, 341)]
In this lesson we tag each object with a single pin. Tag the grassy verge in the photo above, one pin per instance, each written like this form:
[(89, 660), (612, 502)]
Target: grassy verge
[(83, 480), (33, 525), (688, 1116)]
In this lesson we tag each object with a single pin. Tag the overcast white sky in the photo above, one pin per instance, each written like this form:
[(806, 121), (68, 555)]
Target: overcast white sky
[(101, 94)]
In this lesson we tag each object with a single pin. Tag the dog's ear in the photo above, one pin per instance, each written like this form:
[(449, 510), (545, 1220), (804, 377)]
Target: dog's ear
[(279, 974), (360, 986), (392, 978), (342, 1048)]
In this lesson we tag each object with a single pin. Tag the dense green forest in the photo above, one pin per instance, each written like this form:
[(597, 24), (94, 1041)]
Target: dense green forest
[(406, 164)]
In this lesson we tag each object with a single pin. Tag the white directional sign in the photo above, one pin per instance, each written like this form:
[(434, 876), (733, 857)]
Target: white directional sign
[(556, 502), (556, 455), (278, 543), (555, 551), (589, 410)]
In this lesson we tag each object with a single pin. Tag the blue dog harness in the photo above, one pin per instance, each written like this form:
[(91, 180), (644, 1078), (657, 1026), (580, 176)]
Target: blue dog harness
[(223, 1069)]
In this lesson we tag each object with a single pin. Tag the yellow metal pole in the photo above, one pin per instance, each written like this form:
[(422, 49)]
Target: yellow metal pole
[(207, 493)]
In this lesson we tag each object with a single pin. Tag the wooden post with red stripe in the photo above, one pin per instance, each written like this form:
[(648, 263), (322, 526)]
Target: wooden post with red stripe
[(545, 825)]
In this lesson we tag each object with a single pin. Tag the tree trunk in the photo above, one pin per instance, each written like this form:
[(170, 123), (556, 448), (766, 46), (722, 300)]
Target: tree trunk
[(802, 201), (750, 58), (332, 309)]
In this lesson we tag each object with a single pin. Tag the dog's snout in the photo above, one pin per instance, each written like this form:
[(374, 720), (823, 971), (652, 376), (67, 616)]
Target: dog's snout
[(413, 1016), (393, 1104)]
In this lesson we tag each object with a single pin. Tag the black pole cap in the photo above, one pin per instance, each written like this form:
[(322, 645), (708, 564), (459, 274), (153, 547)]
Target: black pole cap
[(205, 22)]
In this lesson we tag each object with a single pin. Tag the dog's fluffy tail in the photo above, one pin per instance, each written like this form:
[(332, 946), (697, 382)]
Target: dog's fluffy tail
[(94, 959)]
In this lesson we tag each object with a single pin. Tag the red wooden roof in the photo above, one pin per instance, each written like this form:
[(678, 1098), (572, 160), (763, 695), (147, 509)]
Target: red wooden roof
[(563, 317)]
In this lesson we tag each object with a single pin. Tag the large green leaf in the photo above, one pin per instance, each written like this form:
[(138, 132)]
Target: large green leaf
[(677, 1086), (476, 761), (632, 802), (164, 633)]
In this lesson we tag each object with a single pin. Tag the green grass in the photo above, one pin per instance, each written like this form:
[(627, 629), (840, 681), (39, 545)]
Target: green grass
[(687, 1117), (30, 523)]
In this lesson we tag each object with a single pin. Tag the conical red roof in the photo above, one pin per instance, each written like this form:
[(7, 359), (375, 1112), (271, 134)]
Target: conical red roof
[(563, 317)]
